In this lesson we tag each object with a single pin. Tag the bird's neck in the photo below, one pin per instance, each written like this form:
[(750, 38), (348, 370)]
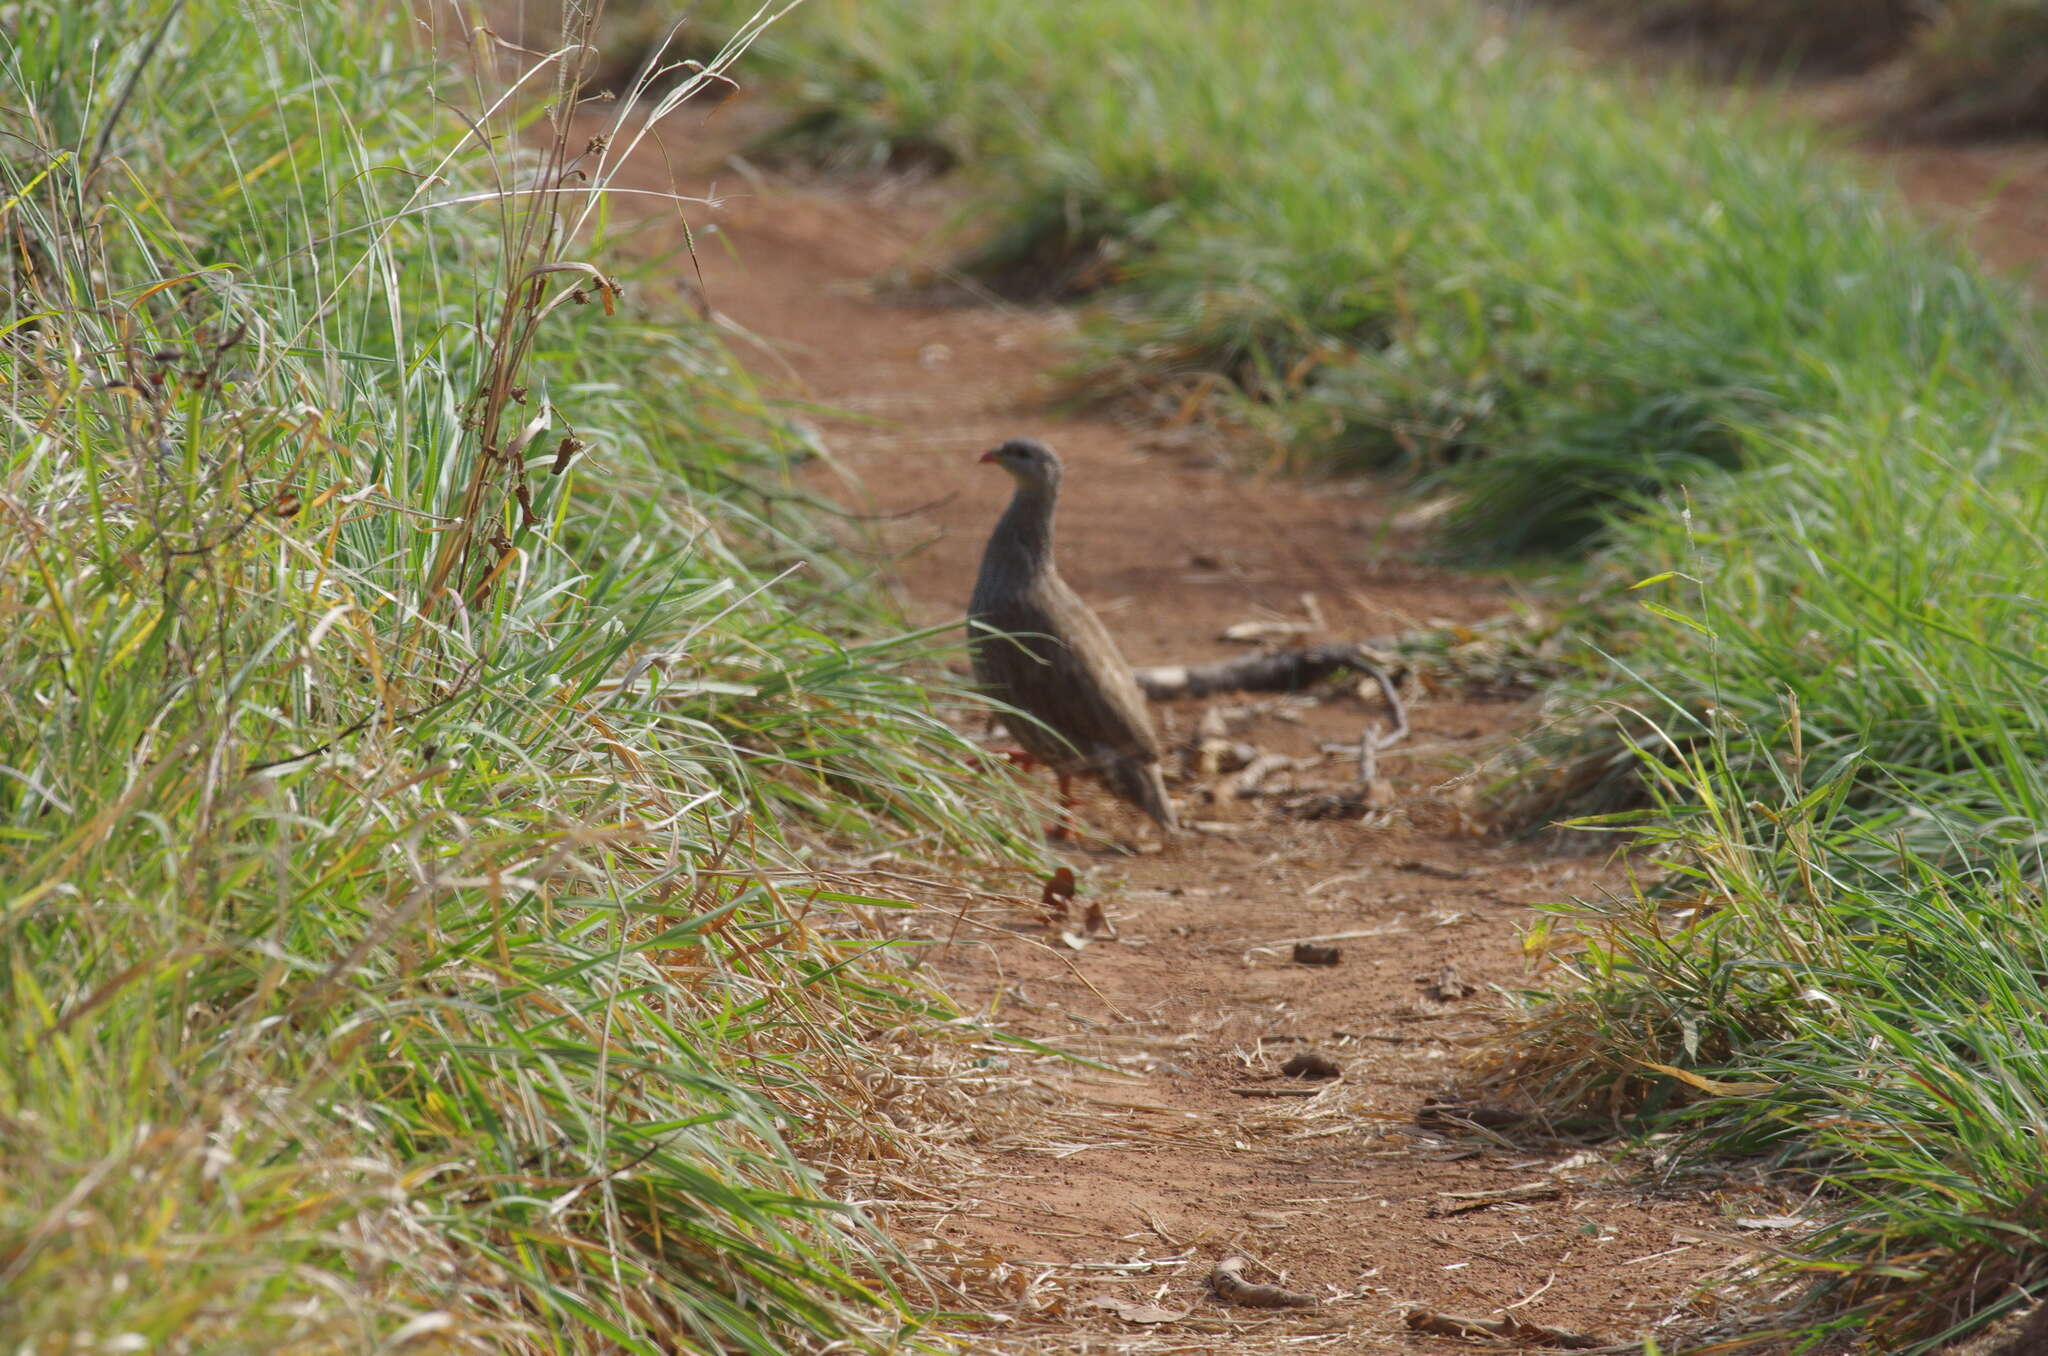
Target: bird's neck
[(1026, 526)]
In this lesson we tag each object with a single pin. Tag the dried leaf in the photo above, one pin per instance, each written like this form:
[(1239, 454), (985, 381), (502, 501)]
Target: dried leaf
[(1449, 986), (1132, 1311), (1273, 1219), (1059, 888), (1095, 923), (1713, 1087)]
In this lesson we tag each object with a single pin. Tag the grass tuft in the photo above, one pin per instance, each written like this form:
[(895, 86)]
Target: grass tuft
[(1843, 741), (420, 706)]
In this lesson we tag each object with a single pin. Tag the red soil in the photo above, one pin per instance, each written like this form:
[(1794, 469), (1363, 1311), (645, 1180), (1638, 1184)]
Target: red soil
[(1132, 1180)]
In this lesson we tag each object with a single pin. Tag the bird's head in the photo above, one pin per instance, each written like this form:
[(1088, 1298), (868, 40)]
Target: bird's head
[(1030, 463)]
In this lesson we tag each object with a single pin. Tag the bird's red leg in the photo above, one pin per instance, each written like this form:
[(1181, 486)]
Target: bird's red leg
[(1062, 828)]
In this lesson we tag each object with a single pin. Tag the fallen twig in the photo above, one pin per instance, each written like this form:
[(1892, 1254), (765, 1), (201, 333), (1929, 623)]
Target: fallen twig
[(1481, 1200), (1510, 1328), (1423, 868), (1274, 671), (1384, 930), (1246, 783), (1228, 1281)]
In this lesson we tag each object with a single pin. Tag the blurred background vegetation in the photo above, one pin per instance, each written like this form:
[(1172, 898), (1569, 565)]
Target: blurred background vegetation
[(1950, 67)]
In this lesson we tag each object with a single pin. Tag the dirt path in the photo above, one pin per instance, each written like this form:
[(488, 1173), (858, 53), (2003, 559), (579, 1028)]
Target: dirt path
[(1131, 1180), (1993, 195)]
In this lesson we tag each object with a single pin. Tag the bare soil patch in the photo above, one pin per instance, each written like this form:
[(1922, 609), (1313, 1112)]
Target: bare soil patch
[(1097, 1201), (1995, 194)]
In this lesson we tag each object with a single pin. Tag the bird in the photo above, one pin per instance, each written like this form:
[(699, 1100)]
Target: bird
[(1037, 648)]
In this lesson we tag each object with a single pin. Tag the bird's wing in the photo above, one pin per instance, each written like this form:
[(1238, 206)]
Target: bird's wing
[(1014, 657), (1064, 668)]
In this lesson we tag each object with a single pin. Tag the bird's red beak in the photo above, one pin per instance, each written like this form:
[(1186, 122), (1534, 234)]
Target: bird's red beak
[(989, 455)]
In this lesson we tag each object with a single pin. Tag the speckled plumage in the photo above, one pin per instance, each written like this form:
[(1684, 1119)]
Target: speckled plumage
[(1037, 647)]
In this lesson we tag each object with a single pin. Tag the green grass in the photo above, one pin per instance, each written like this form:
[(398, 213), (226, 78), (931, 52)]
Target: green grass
[(1432, 239), (1423, 238), (1842, 723), (406, 812)]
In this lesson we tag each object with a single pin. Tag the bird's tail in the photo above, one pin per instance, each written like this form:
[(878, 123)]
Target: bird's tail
[(1144, 785)]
